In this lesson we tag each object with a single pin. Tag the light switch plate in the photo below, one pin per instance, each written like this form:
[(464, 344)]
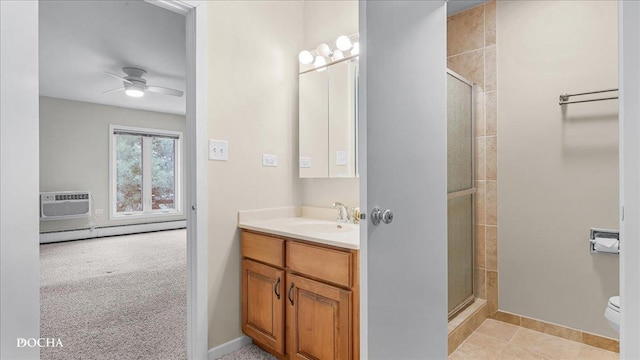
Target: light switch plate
[(218, 150), (341, 158), (305, 161), (269, 160)]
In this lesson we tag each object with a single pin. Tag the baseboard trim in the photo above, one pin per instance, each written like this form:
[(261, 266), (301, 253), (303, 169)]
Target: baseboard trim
[(110, 231), (562, 331), (228, 347)]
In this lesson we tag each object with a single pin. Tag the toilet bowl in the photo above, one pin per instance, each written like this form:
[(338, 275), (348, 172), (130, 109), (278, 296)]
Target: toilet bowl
[(612, 312)]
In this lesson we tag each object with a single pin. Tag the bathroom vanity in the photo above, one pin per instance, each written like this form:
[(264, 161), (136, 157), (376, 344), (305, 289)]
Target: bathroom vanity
[(300, 288)]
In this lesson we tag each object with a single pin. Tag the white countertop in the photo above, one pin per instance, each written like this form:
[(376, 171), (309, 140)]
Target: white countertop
[(316, 230)]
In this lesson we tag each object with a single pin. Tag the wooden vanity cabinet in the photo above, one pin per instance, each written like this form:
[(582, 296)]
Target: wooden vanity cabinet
[(316, 296)]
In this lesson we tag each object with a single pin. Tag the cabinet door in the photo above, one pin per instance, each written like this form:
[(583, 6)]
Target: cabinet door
[(318, 320), (263, 304)]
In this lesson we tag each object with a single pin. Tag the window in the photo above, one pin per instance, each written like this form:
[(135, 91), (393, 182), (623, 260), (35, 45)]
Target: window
[(145, 172)]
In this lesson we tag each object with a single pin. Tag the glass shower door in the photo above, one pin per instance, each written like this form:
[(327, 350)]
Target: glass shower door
[(461, 190)]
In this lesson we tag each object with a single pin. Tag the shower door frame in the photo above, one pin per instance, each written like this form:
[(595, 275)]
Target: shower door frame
[(471, 191)]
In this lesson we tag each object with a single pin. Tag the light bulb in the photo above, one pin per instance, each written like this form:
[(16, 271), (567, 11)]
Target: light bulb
[(305, 57), (134, 92), (344, 43), (337, 55), (320, 62), (324, 50), (356, 48)]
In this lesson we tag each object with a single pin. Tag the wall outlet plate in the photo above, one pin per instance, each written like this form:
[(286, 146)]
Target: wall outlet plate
[(341, 158), (218, 150), (269, 160), (305, 161)]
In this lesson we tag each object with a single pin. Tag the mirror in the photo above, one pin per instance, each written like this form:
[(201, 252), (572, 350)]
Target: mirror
[(328, 121)]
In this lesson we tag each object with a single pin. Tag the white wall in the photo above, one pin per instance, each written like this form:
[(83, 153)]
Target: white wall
[(324, 21), (557, 166), (74, 153), (253, 103), (19, 263)]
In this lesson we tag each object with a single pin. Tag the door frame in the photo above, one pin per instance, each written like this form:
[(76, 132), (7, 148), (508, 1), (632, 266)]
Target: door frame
[(195, 12), (629, 133)]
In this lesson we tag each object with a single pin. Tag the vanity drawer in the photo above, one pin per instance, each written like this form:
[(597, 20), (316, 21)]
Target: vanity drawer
[(322, 263), (263, 248)]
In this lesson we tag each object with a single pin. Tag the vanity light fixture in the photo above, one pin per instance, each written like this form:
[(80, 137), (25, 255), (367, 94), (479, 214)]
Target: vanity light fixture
[(356, 48), (337, 55), (324, 50), (323, 53), (344, 43), (320, 62), (305, 57)]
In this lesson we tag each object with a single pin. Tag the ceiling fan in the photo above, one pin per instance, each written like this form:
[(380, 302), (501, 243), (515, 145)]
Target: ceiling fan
[(135, 85)]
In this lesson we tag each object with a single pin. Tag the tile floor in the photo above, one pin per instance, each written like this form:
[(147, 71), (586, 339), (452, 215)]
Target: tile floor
[(499, 340)]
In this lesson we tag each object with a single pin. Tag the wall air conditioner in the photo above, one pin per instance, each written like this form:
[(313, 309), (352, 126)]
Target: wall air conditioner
[(65, 205)]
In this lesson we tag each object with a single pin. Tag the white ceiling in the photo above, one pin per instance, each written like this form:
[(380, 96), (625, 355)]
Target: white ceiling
[(81, 39)]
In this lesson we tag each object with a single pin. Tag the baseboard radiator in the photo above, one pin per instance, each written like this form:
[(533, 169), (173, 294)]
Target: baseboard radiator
[(97, 232)]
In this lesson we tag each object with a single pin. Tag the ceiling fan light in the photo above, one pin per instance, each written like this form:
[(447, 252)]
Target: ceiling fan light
[(134, 92)]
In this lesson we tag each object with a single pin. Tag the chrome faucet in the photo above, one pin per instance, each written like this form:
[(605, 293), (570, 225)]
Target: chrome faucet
[(343, 212)]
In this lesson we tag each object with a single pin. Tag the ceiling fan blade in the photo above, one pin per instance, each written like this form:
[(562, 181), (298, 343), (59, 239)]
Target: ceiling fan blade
[(165, 91), (113, 90), (118, 77)]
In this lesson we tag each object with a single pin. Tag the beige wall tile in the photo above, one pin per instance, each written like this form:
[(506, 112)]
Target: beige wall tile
[(480, 282), (491, 158), (601, 342), (507, 317), (491, 203), (465, 31), (490, 23), (490, 69), (470, 66), (491, 113), (480, 246), (462, 332), (481, 156), (480, 114), (551, 329), (492, 292), (491, 247), (481, 191)]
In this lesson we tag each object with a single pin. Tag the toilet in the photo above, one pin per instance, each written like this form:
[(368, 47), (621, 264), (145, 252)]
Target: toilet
[(612, 312)]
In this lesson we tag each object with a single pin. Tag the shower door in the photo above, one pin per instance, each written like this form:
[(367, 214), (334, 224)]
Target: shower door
[(460, 190)]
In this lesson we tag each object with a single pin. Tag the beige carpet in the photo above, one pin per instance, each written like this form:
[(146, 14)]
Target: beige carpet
[(121, 297), (248, 352)]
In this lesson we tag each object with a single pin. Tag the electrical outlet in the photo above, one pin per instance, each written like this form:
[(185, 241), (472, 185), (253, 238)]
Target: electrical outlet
[(341, 158), (269, 160), (218, 150), (305, 161)]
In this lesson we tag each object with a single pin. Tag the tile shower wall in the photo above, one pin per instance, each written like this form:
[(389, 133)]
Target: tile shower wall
[(471, 52)]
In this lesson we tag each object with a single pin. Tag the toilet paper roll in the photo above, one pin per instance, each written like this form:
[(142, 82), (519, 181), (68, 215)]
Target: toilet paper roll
[(606, 245)]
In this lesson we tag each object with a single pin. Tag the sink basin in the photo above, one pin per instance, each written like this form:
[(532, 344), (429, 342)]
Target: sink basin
[(321, 227)]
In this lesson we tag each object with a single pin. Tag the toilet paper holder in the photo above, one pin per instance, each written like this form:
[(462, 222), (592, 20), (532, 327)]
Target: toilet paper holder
[(603, 234)]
